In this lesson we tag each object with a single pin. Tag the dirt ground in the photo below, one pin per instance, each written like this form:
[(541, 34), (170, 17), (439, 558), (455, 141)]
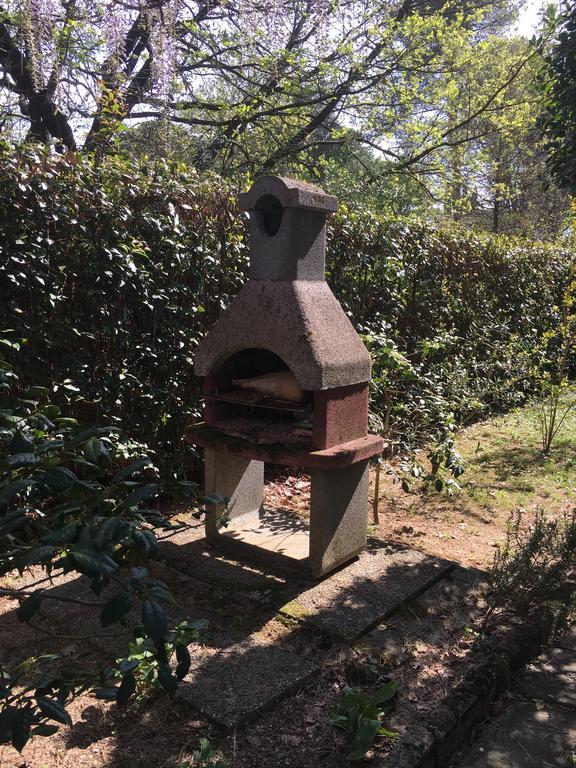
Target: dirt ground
[(439, 525), (424, 647)]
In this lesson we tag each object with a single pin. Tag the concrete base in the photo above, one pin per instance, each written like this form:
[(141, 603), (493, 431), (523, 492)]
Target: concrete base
[(240, 480), (338, 514), (276, 532)]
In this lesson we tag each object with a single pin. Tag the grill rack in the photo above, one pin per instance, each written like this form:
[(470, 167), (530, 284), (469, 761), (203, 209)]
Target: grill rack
[(256, 400)]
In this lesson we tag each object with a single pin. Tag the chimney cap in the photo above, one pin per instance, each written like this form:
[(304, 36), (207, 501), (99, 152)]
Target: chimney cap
[(289, 193)]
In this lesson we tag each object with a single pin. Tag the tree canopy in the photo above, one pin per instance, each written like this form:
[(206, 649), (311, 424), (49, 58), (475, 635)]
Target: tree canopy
[(410, 102), (259, 83), (559, 85)]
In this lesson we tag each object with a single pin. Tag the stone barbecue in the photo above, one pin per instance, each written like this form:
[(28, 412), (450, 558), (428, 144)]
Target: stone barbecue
[(286, 383)]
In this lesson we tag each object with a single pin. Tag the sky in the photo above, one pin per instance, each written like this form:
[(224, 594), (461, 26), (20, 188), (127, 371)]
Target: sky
[(528, 18)]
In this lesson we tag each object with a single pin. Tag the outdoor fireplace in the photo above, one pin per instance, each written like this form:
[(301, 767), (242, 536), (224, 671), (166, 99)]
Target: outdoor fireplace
[(286, 382)]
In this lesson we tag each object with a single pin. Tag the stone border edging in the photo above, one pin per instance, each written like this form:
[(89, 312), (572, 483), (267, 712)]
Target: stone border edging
[(433, 744)]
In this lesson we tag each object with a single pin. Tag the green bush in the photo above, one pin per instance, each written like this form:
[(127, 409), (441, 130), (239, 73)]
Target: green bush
[(112, 273), (80, 500), (534, 567), (452, 317)]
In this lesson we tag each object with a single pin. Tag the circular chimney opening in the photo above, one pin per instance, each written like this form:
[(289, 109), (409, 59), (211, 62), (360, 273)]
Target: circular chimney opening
[(269, 210)]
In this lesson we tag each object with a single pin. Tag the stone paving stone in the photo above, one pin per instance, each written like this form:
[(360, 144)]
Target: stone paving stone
[(422, 619), (526, 735), (233, 685), (552, 677), (358, 597)]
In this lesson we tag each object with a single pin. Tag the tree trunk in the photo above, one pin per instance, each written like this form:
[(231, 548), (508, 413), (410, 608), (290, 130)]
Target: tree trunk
[(46, 120), (496, 215)]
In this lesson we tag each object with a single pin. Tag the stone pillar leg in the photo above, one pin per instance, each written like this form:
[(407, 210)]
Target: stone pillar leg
[(240, 480), (338, 516)]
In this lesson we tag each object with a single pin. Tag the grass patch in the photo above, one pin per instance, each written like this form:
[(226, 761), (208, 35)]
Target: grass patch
[(506, 468)]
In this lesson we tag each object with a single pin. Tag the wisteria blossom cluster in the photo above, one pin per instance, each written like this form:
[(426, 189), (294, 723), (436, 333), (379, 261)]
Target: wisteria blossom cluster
[(43, 28), (162, 28), (116, 23), (44, 15)]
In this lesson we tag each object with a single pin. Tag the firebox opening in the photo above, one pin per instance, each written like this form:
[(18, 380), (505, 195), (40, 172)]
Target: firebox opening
[(269, 211), (250, 362), (256, 397)]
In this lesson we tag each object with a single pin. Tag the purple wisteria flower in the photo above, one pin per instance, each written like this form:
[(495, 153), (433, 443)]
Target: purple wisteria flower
[(117, 21), (44, 15), (164, 48)]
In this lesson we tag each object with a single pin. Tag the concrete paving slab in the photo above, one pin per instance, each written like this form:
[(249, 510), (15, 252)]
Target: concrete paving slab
[(527, 735), (233, 685), (423, 619), (551, 678), (355, 599), (197, 559)]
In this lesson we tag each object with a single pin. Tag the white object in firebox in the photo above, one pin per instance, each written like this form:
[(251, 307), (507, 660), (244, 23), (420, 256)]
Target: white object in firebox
[(281, 384)]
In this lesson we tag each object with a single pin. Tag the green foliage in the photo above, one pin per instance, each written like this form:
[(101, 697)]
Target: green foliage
[(142, 670), (124, 269), (451, 319), (532, 567), (559, 90), (205, 757), (444, 466), (555, 363), (112, 272), (75, 499), (360, 716)]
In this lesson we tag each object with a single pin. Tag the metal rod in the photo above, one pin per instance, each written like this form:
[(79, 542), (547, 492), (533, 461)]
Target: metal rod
[(376, 492)]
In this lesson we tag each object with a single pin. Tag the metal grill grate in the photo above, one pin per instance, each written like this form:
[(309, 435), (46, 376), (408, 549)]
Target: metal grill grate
[(265, 431)]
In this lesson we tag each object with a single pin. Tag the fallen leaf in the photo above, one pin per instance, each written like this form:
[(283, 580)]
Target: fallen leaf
[(195, 724)]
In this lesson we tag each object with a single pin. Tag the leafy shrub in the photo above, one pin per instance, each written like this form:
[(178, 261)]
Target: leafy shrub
[(452, 317), (77, 500), (534, 564), (361, 717), (112, 273)]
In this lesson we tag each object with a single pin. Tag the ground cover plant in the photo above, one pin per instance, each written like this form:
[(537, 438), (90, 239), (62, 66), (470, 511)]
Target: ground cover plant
[(360, 716)]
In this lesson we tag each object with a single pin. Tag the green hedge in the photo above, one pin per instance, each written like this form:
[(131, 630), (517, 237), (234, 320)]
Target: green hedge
[(112, 273), (456, 317)]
